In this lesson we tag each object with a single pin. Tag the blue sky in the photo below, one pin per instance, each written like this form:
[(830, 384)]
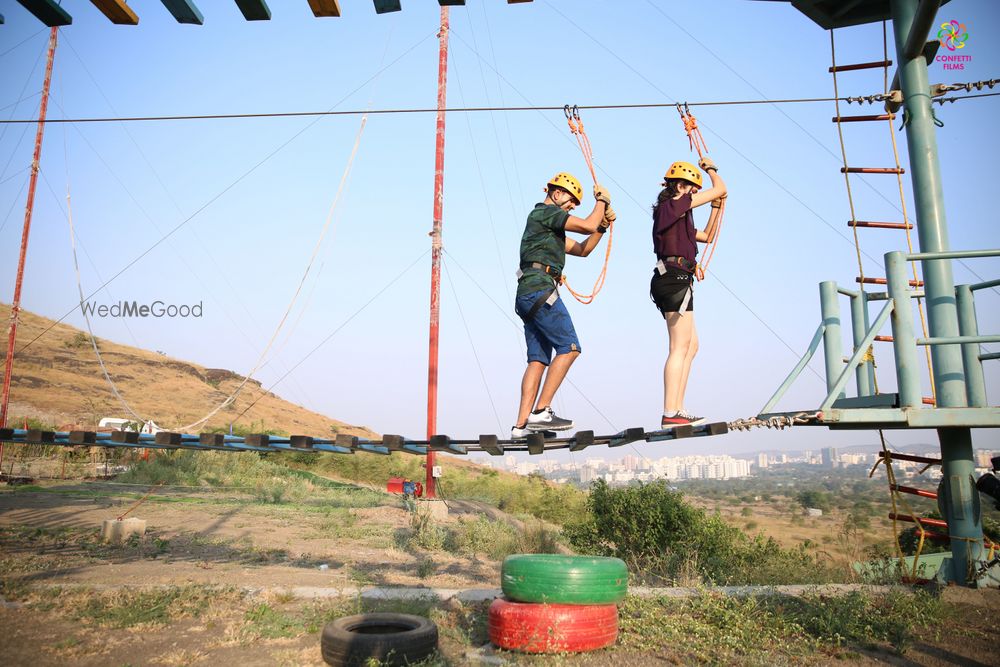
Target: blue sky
[(249, 235)]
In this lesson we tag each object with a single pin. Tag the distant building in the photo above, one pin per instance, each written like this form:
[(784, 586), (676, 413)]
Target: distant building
[(762, 460), (983, 457), (813, 511), (829, 455)]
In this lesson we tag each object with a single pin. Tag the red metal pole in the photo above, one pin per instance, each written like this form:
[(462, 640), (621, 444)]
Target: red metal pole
[(432, 356), (15, 306)]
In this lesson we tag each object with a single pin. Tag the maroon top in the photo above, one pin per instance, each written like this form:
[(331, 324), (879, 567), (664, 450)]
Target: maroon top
[(673, 229)]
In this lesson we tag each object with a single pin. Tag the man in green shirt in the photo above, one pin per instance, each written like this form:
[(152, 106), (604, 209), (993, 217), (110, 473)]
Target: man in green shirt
[(547, 324)]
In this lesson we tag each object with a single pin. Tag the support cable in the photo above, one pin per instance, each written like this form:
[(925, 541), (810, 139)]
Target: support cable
[(472, 346), (333, 333), (426, 110), (219, 195)]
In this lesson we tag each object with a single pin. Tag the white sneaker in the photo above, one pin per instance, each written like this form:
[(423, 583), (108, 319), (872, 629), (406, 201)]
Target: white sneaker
[(522, 433), (546, 419)]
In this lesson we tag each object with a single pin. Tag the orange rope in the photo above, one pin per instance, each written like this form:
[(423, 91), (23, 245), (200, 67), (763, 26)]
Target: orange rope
[(576, 128), (696, 142), (141, 500)]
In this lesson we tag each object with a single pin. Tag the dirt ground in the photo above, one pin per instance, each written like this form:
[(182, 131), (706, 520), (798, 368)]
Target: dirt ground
[(206, 585)]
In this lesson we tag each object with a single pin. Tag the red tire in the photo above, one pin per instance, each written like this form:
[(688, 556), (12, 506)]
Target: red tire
[(552, 628)]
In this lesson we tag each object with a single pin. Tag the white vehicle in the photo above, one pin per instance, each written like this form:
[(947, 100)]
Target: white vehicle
[(116, 424)]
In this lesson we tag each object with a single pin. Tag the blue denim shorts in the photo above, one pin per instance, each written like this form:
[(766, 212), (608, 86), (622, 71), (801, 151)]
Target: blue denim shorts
[(550, 329)]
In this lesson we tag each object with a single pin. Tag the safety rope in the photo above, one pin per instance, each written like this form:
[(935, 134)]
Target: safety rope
[(896, 497), (141, 500), (696, 142), (576, 129)]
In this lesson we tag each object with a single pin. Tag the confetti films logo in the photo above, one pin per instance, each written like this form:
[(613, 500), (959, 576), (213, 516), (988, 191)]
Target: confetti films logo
[(953, 36)]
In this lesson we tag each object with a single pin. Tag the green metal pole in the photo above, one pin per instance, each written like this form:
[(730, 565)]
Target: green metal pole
[(833, 349), (928, 194), (859, 329), (959, 498), (975, 381), (904, 344)]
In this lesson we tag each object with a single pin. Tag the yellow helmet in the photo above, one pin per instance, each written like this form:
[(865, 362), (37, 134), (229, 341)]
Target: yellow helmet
[(568, 183), (686, 171)]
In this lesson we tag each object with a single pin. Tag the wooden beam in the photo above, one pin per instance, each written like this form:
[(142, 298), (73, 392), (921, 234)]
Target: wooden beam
[(451, 3), (117, 11), (184, 11), (386, 6), (48, 12), (254, 10), (321, 8)]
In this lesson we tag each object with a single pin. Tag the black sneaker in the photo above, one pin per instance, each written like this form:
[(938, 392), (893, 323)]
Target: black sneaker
[(547, 420), (522, 433)]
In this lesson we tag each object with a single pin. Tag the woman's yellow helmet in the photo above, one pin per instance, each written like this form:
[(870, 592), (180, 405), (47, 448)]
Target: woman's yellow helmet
[(568, 183), (686, 171)]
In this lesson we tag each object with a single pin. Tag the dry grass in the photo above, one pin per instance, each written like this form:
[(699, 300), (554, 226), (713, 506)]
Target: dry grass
[(59, 381)]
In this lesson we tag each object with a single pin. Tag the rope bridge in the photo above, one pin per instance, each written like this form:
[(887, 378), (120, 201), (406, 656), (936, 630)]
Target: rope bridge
[(343, 443)]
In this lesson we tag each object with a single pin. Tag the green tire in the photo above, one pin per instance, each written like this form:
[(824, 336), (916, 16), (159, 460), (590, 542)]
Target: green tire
[(556, 579)]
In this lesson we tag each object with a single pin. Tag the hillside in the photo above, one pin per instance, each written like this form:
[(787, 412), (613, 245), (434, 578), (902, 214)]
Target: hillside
[(58, 380)]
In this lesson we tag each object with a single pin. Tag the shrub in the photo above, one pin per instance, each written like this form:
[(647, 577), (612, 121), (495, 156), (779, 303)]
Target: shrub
[(662, 537)]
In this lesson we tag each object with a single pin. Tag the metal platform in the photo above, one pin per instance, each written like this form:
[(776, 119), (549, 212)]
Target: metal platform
[(349, 444)]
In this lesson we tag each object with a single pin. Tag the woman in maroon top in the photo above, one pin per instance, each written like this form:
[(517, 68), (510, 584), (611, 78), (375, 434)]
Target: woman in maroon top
[(675, 241)]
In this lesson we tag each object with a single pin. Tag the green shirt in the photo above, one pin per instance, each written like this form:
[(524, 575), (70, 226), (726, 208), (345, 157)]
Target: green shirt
[(544, 241)]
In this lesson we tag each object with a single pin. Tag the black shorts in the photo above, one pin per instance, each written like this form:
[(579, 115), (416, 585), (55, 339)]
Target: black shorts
[(668, 290)]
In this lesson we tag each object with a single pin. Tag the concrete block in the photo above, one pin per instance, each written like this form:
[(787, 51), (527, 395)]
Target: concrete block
[(435, 509), (114, 531)]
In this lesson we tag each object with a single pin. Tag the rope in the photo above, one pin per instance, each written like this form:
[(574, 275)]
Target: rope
[(696, 142), (576, 129), (141, 500)]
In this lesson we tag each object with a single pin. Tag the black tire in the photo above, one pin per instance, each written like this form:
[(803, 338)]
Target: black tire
[(394, 639)]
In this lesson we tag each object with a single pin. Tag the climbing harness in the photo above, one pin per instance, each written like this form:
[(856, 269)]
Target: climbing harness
[(696, 142), (576, 129), (546, 297)]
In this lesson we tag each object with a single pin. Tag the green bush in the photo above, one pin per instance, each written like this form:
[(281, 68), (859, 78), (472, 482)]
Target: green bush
[(663, 538)]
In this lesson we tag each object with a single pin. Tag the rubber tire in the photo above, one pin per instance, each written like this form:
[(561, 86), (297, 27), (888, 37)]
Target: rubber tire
[(558, 579), (552, 628), (394, 639)]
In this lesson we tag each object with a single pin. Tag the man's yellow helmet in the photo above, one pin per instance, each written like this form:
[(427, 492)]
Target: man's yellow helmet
[(568, 183), (686, 171)]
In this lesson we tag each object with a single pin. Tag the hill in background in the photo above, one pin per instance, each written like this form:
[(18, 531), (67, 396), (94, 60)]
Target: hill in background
[(58, 380)]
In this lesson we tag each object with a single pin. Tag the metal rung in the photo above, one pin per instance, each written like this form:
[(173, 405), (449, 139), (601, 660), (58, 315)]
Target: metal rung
[(879, 225), (857, 66), (884, 339), (490, 446), (872, 170), (927, 400), (212, 439), (862, 119), (883, 281), (37, 436), (912, 490), (914, 458), (583, 439), (937, 523)]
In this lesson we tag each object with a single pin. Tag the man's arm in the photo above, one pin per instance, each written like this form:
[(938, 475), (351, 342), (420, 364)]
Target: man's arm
[(590, 224), (583, 249)]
